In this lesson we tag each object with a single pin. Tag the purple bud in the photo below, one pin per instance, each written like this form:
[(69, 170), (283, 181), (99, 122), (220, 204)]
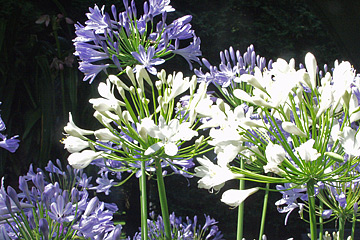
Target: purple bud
[(325, 68), (129, 12), (65, 194), (241, 62), (222, 57), (13, 195), (38, 180), (238, 55), (44, 228), (206, 63), (227, 56), (253, 56), (8, 203), (320, 73), (246, 58), (74, 195), (116, 62), (251, 48), (133, 8), (232, 55), (270, 64), (126, 3), (92, 205), (58, 162), (262, 63), (114, 13), (146, 8)]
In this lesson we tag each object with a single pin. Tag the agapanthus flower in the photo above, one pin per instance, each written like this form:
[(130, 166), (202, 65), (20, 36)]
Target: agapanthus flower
[(189, 229), (59, 211), (10, 144), (113, 42), (146, 58)]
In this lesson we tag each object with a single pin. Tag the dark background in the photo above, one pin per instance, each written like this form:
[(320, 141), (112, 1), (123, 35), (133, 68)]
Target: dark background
[(35, 107)]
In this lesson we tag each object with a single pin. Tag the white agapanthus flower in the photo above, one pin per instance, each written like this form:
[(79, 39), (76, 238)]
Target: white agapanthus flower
[(234, 197), (169, 134), (292, 129), (271, 88), (350, 141), (80, 160), (307, 152), (105, 135), (213, 176), (275, 155), (74, 144), (74, 130)]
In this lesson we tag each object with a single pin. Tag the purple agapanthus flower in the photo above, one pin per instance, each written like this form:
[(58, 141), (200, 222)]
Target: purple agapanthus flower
[(146, 58), (191, 52), (10, 144), (232, 65), (159, 6), (61, 210), (104, 184), (180, 229), (108, 40), (91, 70), (65, 210)]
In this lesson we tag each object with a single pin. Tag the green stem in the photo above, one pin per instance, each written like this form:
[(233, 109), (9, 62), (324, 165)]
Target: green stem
[(353, 226), (240, 222), (342, 221), (263, 217), (143, 203), (321, 221), (163, 200), (312, 215)]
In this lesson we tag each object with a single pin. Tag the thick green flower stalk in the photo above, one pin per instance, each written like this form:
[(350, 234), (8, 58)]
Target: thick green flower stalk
[(143, 129), (296, 126)]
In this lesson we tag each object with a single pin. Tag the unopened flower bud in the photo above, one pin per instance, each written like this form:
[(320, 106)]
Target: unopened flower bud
[(132, 90), (158, 85)]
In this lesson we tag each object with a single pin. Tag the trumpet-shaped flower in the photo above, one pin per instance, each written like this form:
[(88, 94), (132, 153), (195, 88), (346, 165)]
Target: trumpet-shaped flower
[(146, 58), (213, 176), (74, 130), (169, 134), (307, 152), (75, 144), (82, 159), (234, 197), (178, 84), (350, 141), (10, 144), (275, 155)]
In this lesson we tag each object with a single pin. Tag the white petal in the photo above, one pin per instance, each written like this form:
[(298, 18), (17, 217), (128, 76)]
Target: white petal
[(82, 159), (153, 148), (234, 197), (75, 131), (311, 65), (171, 149), (293, 129)]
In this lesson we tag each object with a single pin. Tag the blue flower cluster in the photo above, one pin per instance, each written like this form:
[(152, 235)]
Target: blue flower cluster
[(232, 65), (58, 208), (130, 39), (186, 230)]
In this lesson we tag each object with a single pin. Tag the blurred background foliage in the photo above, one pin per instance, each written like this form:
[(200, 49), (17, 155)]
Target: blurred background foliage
[(40, 84)]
